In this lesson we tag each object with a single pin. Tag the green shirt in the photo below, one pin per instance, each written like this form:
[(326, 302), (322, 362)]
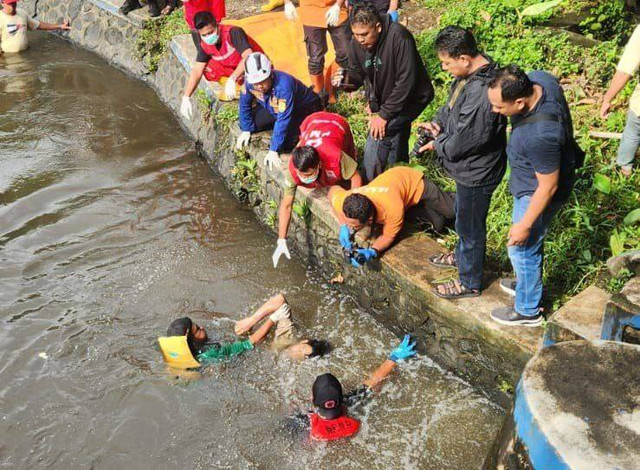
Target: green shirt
[(225, 351)]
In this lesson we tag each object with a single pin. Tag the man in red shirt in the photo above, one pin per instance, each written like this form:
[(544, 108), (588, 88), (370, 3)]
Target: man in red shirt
[(222, 54), (325, 156)]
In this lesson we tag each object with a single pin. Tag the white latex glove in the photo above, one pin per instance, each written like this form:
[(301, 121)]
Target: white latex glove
[(290, 11), (243, 140), (281, 249), (333, 15), (283, 312), (272, 160), (230, 89), (185, 108)]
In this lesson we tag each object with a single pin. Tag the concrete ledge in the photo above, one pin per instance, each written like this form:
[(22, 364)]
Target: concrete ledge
[(580, 318), (577, 407)]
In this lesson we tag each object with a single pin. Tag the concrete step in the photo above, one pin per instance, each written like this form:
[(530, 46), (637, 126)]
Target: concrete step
[(581, 317)]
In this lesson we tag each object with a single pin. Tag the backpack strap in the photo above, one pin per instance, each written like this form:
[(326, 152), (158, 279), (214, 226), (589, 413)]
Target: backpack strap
[(539, 117)]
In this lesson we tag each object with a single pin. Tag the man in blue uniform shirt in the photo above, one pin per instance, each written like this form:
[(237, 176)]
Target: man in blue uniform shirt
[(543, 156), (273, 99)]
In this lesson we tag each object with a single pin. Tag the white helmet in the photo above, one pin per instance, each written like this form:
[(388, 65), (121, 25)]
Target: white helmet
[(257, 68)]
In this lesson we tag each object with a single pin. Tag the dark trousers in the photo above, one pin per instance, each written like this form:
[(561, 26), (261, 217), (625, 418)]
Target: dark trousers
[(265, 121), (436, 207), (394, 148), (472, 207), (315, 39)]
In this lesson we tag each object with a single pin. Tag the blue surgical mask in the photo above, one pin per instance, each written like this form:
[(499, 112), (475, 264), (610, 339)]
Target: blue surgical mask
[(211, 39)]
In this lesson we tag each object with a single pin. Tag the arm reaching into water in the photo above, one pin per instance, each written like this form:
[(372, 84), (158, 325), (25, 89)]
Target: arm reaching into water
[(404, 350)]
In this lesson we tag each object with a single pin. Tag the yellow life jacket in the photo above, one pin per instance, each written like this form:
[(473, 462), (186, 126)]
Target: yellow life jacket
[(176, 352)]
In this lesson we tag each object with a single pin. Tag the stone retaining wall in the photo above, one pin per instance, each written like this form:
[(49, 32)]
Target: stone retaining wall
[(459, 334)]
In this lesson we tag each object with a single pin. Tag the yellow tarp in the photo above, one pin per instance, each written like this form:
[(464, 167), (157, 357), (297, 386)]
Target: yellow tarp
[(283, 41)]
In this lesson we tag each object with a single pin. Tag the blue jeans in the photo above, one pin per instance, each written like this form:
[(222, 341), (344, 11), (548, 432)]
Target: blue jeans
[(472, 207), (630, 141), (527, 259)]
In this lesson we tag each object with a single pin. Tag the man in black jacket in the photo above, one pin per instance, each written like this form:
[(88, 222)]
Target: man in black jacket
[(470, 144), (383, 57)]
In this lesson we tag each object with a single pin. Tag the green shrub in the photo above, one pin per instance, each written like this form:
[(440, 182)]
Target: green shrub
[(584, 232), (153, 41)]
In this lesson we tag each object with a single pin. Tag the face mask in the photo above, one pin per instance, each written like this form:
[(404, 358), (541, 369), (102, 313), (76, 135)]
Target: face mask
[(308, 179), (211, 39)]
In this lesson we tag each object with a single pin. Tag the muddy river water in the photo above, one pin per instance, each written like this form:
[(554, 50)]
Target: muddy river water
[(111, 226)]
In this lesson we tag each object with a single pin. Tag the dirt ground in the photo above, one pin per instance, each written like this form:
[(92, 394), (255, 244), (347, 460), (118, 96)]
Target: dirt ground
[(418, 18)]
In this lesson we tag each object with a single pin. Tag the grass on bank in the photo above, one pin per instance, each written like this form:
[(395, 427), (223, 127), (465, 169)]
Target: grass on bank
[(592, 225)]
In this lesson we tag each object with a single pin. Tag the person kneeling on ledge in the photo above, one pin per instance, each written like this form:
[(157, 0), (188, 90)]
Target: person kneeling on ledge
[(273, 99), (386, 200), (325, 156), (221, 58)]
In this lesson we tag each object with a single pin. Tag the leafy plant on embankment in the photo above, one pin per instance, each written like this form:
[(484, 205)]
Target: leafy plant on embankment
[(154, 38), (592, 225)]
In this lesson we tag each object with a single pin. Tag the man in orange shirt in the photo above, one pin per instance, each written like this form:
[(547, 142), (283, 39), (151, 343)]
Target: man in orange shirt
[(386, 200), (319, 17)]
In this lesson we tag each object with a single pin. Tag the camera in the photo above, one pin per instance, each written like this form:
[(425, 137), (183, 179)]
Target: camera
[(424, 137), (352, 254)]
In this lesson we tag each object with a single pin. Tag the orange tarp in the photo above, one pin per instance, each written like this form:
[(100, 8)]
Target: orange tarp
[(283, 41)]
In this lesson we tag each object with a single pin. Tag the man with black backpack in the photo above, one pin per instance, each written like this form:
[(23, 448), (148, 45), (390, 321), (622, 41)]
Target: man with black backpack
[(543, 156)]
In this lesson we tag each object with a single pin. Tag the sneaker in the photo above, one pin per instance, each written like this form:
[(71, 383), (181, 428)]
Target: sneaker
[(508, 285), (508, 316)]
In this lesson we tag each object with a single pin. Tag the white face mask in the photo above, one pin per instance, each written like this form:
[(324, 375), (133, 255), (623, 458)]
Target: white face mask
[(308, 179)]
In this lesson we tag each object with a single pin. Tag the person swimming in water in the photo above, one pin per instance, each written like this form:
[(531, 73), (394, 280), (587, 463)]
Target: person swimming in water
[(203, 350), (329, 420)]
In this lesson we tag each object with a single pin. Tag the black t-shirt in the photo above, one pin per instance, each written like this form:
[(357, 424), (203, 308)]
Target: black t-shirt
[(239, 40), (299, 423)]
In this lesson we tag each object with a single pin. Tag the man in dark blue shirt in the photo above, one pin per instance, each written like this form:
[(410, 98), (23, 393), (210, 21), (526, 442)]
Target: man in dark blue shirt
[(542, 155), (273, 100)]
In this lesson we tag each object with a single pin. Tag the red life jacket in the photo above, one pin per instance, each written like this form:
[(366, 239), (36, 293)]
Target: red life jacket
[(330, 135), (223, 61), (332, 429)]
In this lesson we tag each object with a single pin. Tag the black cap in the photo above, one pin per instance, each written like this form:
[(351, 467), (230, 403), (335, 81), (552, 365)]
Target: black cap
[(180, 327), (327, 396)]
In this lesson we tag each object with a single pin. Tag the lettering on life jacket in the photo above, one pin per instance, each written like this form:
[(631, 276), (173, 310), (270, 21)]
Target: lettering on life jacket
[(332, 429)]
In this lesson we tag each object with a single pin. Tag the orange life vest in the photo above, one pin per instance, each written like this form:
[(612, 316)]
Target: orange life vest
[(330, 135), (332, 429), (223, 61)]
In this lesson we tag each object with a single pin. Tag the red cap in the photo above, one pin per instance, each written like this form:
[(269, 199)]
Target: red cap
[(10, 1)]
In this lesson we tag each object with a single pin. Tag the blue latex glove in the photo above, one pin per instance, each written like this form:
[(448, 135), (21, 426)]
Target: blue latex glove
[(345, 237), (393, 15), (404, 350), (355, 264), (368, 253)]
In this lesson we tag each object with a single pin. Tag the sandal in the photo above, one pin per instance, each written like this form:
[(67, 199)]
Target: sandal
[(454, 290), (444, 260)]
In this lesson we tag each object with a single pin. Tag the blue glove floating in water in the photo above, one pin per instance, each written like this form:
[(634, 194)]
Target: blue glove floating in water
[(393, 15), (345, 237), (404, 350), (368, 253)]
